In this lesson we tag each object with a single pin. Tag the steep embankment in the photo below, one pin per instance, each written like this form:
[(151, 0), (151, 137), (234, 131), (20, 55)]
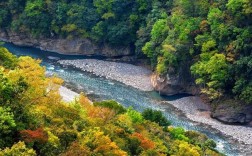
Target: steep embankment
[(65, 46), (168, 85)]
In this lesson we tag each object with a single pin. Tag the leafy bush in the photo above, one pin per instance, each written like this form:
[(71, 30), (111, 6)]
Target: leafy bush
[(118, 108), (7, 59), (155, 116), (135, 116), (7, 126), (18, 149), (178, 133)]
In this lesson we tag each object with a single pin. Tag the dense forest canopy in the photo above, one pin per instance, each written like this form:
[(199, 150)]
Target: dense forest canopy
[(214, 37), (34, 121)]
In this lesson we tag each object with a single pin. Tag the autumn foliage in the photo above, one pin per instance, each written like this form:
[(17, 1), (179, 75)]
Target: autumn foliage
[(34, 114), (38, 135), (145, 142)]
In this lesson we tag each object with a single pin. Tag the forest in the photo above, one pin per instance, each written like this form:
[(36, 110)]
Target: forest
[(35, 121), (212, 37)]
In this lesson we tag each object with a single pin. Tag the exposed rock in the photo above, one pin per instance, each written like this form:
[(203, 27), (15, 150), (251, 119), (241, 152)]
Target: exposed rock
[(3, 36), (239, 114), (196, 110), (172, 84), (65, 46), (53, 58), (165, 85)]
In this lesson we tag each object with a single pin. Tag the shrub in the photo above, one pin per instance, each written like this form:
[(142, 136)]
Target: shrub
[(7, 59), (7, 126), (178, 133), (18, 149), (119, 109), (155, 116), (135, 116)]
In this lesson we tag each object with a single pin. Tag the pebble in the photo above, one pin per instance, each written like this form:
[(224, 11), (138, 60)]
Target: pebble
[(140, 78), (191, 107), (131, 75)]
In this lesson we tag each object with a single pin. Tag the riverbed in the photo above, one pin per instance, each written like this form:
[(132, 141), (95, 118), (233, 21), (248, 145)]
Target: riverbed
[(138, 77), (135, 76), (100, 88)]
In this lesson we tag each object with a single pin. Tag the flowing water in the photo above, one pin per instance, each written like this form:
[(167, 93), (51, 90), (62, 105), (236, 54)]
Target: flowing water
[(100, 88)]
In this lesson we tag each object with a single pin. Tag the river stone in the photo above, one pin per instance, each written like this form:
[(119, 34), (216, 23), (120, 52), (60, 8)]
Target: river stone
[(53, 58)]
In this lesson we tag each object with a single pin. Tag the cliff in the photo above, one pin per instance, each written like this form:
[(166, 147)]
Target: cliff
[(176, 83), (65, 46), (165, 85)]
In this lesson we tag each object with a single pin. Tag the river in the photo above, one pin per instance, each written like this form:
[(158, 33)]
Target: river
[(100, 89)]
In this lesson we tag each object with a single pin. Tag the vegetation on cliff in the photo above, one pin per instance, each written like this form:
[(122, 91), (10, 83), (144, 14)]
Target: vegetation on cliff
[(34, 121), (213, 37)]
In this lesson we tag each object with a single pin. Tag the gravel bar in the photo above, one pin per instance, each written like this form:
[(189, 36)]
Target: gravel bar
[(139, 77), (194, 109), (131, 75)]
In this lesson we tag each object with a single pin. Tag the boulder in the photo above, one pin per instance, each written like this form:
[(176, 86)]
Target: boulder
[(66, 46), (179, 83), (232, 114), (3, 36)]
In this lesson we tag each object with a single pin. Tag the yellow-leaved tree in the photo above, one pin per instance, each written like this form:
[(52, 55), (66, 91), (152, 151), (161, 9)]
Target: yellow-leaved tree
[(100, 143)]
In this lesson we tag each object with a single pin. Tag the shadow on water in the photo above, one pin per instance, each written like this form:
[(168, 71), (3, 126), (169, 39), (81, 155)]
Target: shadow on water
[(176, 96), (44, 55), (102, 89)]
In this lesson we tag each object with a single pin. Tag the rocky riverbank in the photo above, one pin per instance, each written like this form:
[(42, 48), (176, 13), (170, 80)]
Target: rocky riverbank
[(194, 109), (197, 111), (131, 75), (139, 77), (65, 46)]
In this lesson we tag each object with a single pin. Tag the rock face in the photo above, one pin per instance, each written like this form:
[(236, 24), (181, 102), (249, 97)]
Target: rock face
[(171, 84), (65, 46), (233, 115)]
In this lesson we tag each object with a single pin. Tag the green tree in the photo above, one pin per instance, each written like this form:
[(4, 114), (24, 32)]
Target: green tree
[(4, 17), (243, 84), (7, 127), (36, 18), (178, 133), (7, 59), (135, 116), (118, 108), (212, 72), (155, 116)]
